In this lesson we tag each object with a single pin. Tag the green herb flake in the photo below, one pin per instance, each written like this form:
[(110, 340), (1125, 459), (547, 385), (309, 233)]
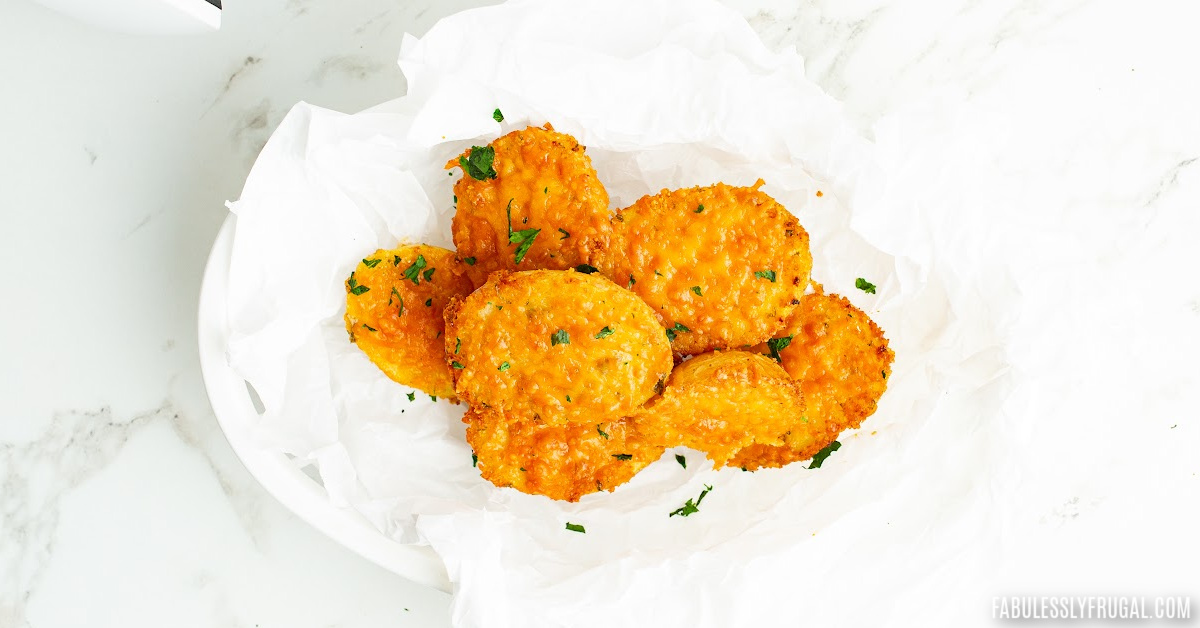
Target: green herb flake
[(474, 460), (568, 398), (699, 209), (479, 163), (765, 274), (604, 333), (470, 261), (429, 302), (457, 345), (412, 396), (395, 260), (396, 296), (575, 527), (497, 116), (623, 456), (819, 459), (413, 272), (631, 282), (672, 332), (778, 344), (696, 289), (458, 365), (560, 337), (356, 289), (428, 274), (546, 190), (864, 285), (690, 506), (601, 432), (566, 234), (433, 398), (371, 263), (523, 239), (369, 328), (503, 367), (681, 460), (586, 269)]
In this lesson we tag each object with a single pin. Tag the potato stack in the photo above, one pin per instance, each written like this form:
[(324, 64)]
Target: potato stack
[(585, 342)]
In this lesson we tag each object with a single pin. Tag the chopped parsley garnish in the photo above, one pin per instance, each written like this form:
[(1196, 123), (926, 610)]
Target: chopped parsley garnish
[(396, 295), (412, 396), (433, 398), (778, 344), (601, 432), (458, 365), (356, 289), (429, 302), (676, 330), (470, 261), (369, 328), (474, 460), (560, 337), (623, 456), (696, 289), (524, 239), (819, 459), (681, 460), (690, 506), (457, 345), (371, 263), (699, 209), (479, 164), (568, 398), (631, 282), (864, 285), (546, 190), (765, 274), (428, 274), (502, 367), (413, 272), (497, 116), (575, 527), (604, 333), (586, 269), (566, 234), (395, 260)]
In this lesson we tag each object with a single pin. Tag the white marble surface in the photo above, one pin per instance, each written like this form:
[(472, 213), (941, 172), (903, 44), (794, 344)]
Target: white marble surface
[(122, 505)]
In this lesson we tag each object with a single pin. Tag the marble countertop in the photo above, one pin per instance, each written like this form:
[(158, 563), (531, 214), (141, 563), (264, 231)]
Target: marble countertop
[(121, 504)]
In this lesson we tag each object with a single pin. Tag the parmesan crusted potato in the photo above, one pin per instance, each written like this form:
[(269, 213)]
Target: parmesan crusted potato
[(723, 402), (555, 346), (842, 361), (394, 313), (723, 266), (528, 200), (561, 462)]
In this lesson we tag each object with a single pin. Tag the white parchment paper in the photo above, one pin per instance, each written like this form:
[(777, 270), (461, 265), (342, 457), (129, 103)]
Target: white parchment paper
[(664, 93)]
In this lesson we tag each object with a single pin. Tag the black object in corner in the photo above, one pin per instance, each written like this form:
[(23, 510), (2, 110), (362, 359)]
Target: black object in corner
[(215, 3)]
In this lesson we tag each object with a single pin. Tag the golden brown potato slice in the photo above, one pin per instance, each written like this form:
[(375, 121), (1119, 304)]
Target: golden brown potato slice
[(560, 462), (528, 200), (722, 402), (394, 313), (555, 346), (724, 266), (842, 361)]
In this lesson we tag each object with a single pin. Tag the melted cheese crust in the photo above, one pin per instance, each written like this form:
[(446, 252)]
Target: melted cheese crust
[(696, 267), (504, 338), (391, 322), (551, 185), (561, 462)]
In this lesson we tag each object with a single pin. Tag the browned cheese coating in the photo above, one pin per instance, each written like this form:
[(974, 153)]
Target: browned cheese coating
[(555, 346), (394, 313), (723, 266), (543, 181)]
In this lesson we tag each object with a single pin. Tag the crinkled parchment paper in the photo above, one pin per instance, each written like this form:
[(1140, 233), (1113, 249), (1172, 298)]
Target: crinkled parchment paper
[(664, 94)]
